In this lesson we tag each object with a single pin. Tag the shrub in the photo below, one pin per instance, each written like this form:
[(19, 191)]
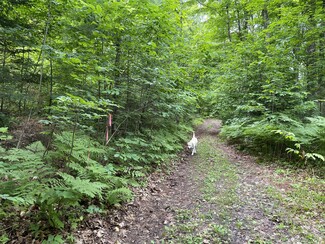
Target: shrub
[(276, 134), (46, 190)]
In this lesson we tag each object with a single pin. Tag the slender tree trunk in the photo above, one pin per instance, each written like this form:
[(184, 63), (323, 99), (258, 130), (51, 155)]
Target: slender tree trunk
[(99, 95), (117, 77), (311, 51), (105, 85), (240, 34), (128, 91), (23, 130), (99, 83), (74, 132), (48, 22), (27, 86), (228, 23), (265, 15), (117, 60), (3, 72), (322, 48), (51, 84), (22, 82), (1, 104), (245, 21)]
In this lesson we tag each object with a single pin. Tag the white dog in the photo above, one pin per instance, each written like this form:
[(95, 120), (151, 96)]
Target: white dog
[(192, 144)]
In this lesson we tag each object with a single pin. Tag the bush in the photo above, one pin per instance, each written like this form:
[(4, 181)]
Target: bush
[(276, 134), (48, 191)]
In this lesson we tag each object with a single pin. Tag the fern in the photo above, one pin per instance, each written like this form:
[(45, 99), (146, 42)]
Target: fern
[(119, 195), (83, 174), (313, 132), (149, 147), (83, 186), (23, 171), (83, 160), (17, 200), (278, 134), (61, 181)]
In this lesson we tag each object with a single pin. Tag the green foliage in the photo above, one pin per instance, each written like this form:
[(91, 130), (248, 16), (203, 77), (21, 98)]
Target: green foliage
[(57, 239), (152, 65), (4, 238), (24, 175), (4, 119), (313, 133), (262, 66), (70, 110), (4, 134), (152, 147), (277, 134), (308, 137), (68, 176), (119, 195), (83, 187), (258, 133), (72, 64)]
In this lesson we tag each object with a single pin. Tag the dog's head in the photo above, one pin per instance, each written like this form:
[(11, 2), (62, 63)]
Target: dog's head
[(189, 145)]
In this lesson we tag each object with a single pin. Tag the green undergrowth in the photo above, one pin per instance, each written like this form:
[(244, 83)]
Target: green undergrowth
[(44, 192), (219, 175), (292, 206), (279, 136), (48, 191), (208, 220), (301, 196)]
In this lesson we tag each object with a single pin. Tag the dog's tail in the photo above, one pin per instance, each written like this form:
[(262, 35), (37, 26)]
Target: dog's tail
[(193, 133)]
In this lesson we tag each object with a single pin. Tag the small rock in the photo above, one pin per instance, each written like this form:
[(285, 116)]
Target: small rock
[(100, 233)]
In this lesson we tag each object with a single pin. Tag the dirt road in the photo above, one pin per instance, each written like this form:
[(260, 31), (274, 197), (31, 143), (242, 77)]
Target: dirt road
[(216, 196)]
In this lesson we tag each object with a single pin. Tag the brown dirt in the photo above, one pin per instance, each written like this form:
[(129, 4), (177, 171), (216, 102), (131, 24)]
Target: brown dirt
[(144, 220), (25, 132)]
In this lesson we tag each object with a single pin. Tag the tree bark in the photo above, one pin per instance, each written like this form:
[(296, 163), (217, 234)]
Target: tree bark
[(240, 34), (3, 73), (228, 23), (51, 84), (43, 57), (117, 77)]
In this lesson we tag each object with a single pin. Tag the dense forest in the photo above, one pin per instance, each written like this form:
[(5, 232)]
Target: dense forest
[(94, 94)]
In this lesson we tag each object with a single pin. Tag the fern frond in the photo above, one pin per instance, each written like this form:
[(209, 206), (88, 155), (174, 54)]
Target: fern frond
[(23, 172), (84, 186), (119, 195)]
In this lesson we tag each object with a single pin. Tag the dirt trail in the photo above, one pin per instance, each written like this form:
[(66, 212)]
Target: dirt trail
[(216, 196)]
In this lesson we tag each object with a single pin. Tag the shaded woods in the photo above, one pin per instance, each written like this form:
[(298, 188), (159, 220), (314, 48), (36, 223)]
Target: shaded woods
[(96, 94)]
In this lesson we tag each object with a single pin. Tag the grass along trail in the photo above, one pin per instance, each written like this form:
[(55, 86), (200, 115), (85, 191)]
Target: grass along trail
[(218, 196)]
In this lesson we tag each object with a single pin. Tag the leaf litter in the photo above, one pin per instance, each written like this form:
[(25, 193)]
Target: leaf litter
[(242, 203)]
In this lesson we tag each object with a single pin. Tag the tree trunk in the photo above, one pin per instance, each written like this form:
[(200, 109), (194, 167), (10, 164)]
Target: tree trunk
[(128, 91), (240, 34), (3, 73), (22, 82), (51, 84), (117, 77), (228, 23), (39, 100), (265, 16)]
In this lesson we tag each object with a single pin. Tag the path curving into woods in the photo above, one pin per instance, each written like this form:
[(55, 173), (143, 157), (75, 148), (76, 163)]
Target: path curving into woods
[(216, 196)]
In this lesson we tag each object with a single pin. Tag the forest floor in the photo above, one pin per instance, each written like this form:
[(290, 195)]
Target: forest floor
[(218, 195)]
